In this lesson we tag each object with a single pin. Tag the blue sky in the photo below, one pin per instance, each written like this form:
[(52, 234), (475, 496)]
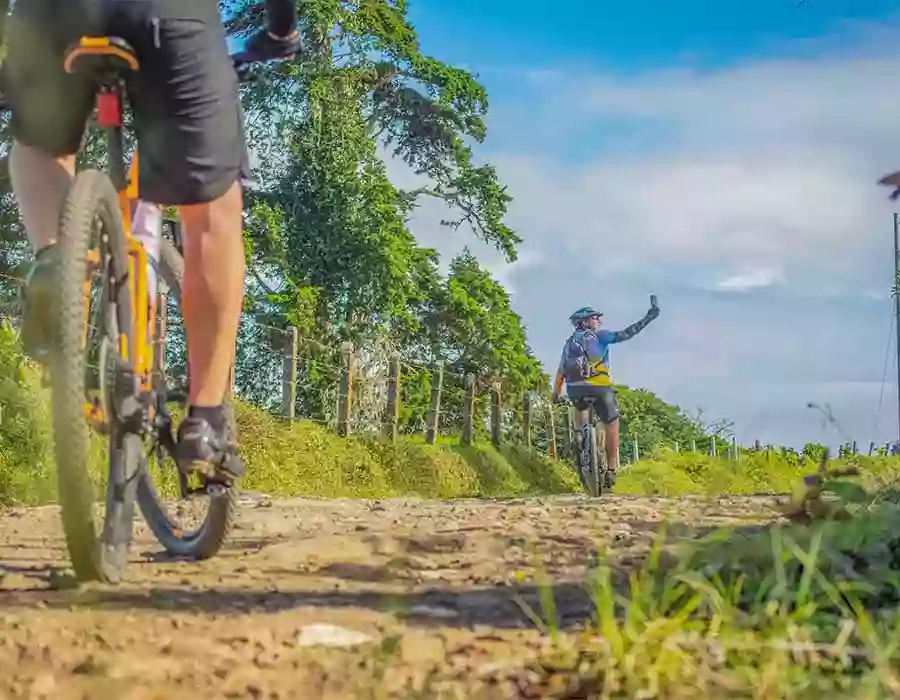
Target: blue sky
[(721, 155)]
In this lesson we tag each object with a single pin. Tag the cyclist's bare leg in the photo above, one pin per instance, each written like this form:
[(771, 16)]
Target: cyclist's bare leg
[(40, 182), (213, 292), (212, 297), (612, 444)]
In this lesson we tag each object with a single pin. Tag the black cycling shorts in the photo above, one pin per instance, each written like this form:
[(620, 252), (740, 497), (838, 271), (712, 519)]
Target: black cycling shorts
[(187, 112), (603, 397)]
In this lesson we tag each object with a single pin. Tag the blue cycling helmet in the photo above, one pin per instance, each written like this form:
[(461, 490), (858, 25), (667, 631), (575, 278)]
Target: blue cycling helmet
[(584, 313)]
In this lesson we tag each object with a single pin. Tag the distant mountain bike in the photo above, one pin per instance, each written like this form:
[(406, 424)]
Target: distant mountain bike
[(590, 453), (103, 368)]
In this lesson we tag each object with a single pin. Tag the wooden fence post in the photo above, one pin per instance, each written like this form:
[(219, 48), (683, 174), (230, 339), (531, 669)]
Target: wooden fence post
[(345, 389), (289, 374), (552, 425), (526, 419), (495, 414), (468, 426), (392, 410), (734, 449), (635, 455), (434, 408)]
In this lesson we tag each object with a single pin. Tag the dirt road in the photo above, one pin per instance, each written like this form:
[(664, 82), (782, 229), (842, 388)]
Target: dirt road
[(323, 599)]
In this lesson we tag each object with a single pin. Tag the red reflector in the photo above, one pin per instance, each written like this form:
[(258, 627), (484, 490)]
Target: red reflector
[(109, 109)]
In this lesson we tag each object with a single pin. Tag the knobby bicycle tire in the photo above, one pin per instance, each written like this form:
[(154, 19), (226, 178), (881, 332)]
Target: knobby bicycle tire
[(208, 538), (91, 215), (593, 476), (602, 461)]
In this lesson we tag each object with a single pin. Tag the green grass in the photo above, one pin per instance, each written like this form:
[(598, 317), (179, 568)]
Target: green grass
[(301, 457), (669, 474), (791, 612), (787, 611), (283, 458)]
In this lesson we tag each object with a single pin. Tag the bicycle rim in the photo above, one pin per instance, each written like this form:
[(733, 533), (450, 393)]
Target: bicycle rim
[(91, 237), (207, 538)]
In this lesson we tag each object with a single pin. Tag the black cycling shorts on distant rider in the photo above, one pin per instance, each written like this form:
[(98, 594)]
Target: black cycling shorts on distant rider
[(187, 112), (606, 405)]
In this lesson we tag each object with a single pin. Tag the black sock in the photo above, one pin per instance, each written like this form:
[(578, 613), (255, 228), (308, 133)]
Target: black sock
[(214, 415), (281, 17)]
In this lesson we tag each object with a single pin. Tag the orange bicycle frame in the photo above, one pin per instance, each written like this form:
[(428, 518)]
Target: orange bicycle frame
[(110, 116)]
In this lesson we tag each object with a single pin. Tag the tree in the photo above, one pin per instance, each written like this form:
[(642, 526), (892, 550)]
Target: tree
[(423, 109), (329, 247), (333, 225), (471, 327), (653, 422)]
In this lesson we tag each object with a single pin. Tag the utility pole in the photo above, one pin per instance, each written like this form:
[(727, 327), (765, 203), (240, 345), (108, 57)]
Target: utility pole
[(896, 295)]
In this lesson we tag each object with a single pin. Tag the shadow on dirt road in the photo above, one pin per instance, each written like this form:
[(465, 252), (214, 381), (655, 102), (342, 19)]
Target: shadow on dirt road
[(445, 580)]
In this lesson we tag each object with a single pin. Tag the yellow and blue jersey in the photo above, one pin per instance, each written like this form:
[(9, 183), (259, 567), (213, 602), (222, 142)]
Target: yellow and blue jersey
[(595, 345)]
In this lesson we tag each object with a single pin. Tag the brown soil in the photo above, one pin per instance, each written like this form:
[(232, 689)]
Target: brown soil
[(423, 599)]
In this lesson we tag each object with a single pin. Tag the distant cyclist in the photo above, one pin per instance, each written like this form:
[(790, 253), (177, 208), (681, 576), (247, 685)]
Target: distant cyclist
[(584, 368)]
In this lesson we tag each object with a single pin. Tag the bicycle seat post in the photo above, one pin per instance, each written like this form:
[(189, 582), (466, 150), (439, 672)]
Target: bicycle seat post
[(106, 60), (110, 116)]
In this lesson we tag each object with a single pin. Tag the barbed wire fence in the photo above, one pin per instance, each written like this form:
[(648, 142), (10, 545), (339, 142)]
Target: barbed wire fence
[(372, 390)]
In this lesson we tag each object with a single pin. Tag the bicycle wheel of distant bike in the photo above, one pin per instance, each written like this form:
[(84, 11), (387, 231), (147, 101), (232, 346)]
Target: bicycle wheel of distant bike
[(606, 476), (189, 517), (589, 461), (89, 368)]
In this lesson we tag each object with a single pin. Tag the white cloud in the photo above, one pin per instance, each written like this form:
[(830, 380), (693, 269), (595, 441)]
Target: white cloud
[(758, 178), (768, 166), (758, 278)]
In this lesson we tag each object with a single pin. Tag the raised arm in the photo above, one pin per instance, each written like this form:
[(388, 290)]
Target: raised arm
[(630, 331)]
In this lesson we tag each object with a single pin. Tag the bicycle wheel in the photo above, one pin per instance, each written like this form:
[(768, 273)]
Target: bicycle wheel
[(92, 249), (204, 540), (602, 462), (592, 471), (581, 459)]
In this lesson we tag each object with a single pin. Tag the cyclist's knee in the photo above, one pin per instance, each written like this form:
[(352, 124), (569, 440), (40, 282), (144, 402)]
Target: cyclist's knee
[(218, 217)]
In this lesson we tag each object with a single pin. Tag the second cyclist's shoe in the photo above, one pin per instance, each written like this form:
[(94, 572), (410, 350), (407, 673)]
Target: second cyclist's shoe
[(39, 300)]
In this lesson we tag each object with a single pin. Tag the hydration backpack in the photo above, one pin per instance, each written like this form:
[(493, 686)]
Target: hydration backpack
[(576, 367)]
